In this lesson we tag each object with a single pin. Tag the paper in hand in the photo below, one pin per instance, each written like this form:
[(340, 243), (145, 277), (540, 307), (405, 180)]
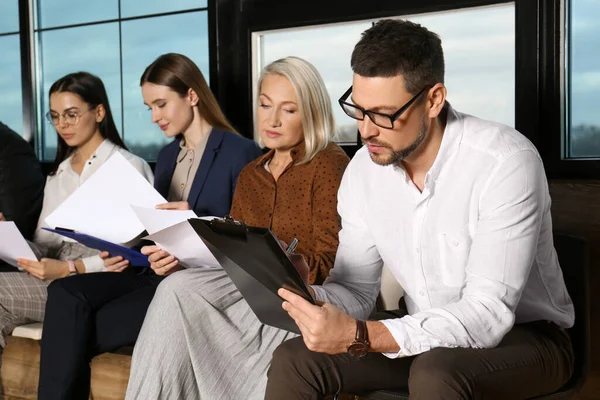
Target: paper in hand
[(13, 245), (101, 207), (155, 220), (171, 231)]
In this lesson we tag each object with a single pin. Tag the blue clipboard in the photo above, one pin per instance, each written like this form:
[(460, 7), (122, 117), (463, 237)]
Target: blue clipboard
[(135, 258)]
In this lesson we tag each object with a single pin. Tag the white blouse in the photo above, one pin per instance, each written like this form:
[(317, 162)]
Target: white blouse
[(59, 187)]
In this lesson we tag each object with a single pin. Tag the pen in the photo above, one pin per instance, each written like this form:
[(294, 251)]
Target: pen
[(293, 244)]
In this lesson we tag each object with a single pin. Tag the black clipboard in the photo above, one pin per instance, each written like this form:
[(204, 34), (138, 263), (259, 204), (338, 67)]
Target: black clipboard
[(257, 265)]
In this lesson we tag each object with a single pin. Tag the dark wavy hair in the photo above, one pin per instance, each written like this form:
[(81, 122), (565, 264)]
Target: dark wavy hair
[(91, 89), (396, 47)]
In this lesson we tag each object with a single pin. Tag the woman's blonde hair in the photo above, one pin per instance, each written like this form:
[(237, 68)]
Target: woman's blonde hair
[(314, 103)]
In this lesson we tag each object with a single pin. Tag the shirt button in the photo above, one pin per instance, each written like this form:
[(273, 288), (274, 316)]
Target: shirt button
[(455, 242), (422, 293), (418, 249), (182, 185)]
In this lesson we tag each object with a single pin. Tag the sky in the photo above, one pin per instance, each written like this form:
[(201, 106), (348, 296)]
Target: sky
[(478, 46)]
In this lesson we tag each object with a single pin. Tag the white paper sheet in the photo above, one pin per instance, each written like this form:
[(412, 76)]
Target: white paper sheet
[(156, 220), (13, 245), (182, 241), (101, 207)]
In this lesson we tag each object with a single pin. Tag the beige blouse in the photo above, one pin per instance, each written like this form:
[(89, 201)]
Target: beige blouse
[(188, 162)]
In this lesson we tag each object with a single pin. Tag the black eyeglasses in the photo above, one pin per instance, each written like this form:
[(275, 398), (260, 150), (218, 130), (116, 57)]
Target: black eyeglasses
[(382, 120)]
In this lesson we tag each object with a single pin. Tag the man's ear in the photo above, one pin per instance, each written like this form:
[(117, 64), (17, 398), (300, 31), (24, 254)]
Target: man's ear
[(436, 98)]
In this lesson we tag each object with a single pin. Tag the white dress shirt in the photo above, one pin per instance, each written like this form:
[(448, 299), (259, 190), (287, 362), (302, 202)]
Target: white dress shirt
[(473, 251), (60, 186)]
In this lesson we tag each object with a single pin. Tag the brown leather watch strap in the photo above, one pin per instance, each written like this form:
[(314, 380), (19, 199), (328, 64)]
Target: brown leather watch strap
[(361, 331), (360, 346)]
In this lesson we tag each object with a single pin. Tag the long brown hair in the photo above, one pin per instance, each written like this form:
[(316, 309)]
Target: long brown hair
[(179, 73)]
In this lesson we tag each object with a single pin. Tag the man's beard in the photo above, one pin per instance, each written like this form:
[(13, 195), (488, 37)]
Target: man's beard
[(399, 155)]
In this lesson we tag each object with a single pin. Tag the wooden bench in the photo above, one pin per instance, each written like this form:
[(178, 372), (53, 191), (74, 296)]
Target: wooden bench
[(20, 369), (110, 371)]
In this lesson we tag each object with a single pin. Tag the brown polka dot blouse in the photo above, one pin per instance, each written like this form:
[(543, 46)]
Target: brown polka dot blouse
[(302, 203)]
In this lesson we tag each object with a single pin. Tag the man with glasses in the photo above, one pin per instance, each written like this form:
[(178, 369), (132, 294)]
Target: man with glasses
[(458, 209)]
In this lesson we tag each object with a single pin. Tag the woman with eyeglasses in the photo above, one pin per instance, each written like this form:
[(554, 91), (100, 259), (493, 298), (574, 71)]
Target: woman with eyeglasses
[(87, 137), (91, 314)]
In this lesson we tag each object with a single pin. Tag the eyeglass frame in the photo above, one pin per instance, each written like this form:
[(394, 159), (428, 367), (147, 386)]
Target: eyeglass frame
[(392, 117), (50, 120)]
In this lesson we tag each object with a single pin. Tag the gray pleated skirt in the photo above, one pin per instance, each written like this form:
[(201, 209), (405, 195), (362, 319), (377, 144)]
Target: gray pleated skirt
[(201, 340)]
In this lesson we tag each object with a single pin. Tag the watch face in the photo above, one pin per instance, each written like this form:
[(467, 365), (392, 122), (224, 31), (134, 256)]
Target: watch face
[(358, 349)]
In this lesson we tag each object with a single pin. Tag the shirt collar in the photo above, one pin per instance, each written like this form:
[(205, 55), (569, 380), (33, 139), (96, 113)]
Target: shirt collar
[(297, 152), (102, 153), (183, 150), (182, 143), (450, 142)]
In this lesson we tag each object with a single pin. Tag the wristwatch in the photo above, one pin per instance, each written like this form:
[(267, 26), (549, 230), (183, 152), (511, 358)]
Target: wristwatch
[(360, 346)]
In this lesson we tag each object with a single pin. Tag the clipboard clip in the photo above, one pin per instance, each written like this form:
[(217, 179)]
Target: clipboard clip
[(58, 228), (229, 226)]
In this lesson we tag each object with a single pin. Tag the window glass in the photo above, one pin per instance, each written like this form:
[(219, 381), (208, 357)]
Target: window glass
[(52, 13), (480, 68), (9, 17), (94, 49), (142, 44), (132, 8), (584, 80), (11, 106)]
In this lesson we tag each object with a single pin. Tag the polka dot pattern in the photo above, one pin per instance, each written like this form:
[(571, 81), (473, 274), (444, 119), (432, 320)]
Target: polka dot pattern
[(302, 203)]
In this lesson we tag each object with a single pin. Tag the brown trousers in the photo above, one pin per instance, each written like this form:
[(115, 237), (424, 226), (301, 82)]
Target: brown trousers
[(533, 359)]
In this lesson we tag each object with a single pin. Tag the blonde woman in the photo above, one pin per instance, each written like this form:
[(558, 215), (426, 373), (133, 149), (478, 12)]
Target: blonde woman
[(200, 339)]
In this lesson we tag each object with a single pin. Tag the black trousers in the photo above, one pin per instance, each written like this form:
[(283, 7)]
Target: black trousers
[(533, 359), (87, 315)]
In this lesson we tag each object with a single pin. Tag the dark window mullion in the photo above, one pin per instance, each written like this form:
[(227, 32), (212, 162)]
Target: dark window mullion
[(9, 33), (121, 73), (26, 71)]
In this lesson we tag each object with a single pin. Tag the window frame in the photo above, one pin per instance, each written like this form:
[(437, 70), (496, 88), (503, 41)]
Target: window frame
[(554, 122), (30, 90), (538, 61)]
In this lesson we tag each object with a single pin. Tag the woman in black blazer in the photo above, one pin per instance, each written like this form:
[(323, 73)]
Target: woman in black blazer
[(214, 182), (95, 313)]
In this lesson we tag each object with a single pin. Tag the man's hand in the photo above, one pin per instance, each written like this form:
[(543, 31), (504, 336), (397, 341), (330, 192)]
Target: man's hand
[(325, 328), (113, 264), (161, 261), (2, 217), (174, 205), (45, 269)]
